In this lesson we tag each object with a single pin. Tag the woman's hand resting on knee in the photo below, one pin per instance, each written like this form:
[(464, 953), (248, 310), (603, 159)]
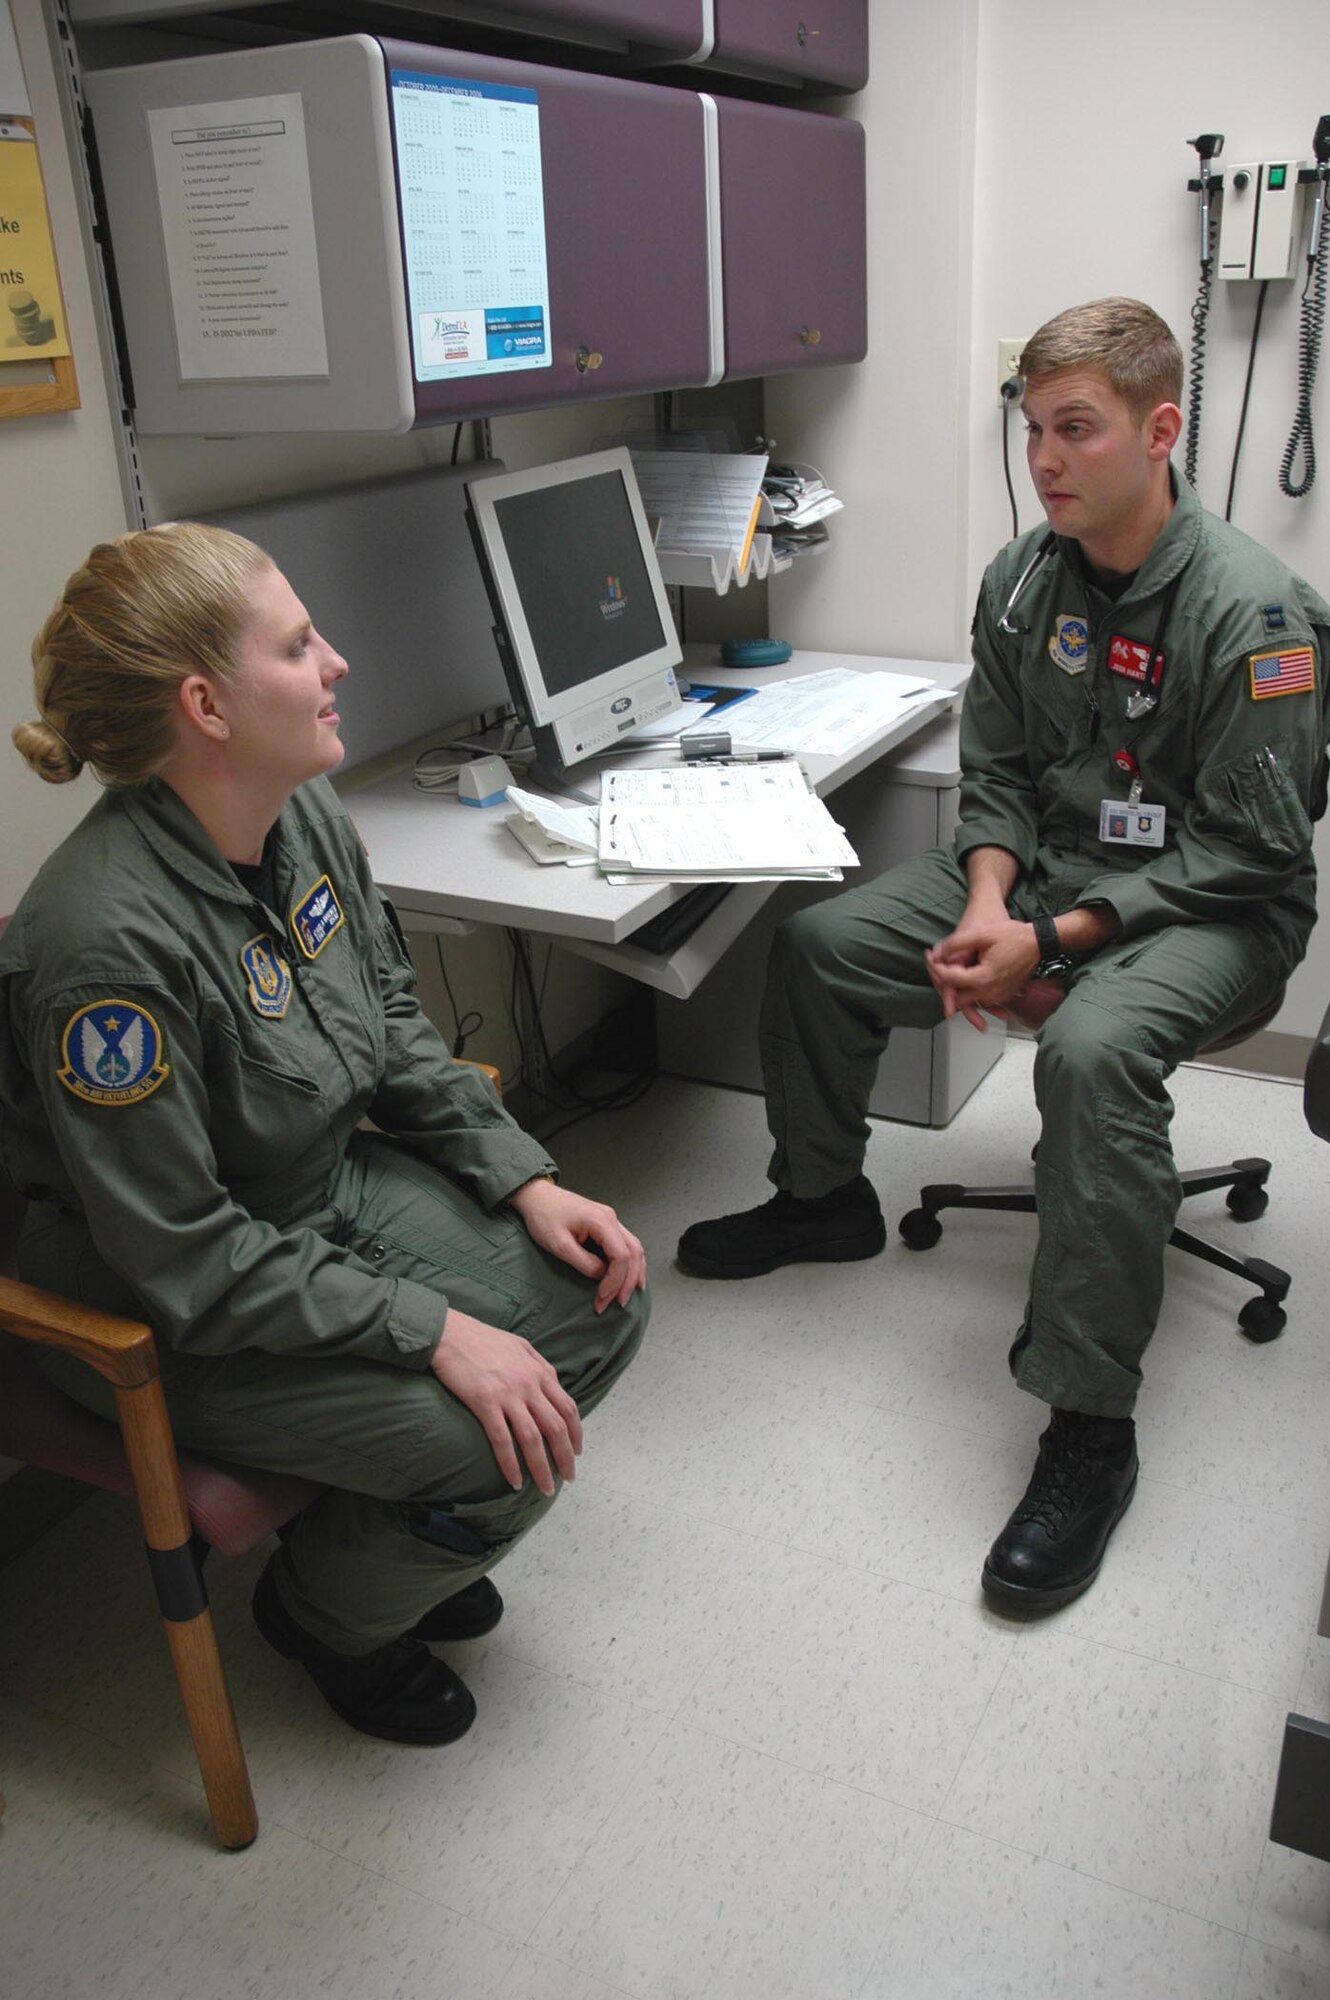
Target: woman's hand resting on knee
[(515, 1393), (565, 1224)]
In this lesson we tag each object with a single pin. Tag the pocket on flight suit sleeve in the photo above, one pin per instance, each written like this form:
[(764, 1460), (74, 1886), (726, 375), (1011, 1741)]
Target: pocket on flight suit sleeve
[(1258, 793)]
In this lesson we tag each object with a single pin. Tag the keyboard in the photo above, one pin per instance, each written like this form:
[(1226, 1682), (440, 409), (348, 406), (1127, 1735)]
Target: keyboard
[(674, 926)]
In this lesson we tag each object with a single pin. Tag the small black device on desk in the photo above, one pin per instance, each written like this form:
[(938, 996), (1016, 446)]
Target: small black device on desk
[(674, 926)]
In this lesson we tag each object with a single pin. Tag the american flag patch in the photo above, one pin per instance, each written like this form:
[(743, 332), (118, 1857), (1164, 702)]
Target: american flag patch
[(1282, 673)]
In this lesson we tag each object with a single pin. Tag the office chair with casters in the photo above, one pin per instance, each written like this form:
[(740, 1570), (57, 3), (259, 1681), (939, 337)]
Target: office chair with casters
[(187, 1504), (1261, 1318)]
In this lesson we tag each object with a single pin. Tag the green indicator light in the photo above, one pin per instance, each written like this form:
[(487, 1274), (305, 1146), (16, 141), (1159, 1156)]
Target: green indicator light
[(1277, 178)]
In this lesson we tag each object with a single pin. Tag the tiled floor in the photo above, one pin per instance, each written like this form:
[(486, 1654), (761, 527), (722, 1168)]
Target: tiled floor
[(748, 1731)]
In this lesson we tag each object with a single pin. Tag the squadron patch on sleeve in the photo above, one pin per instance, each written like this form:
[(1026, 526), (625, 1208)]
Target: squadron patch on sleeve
[(111, 1053), (268, 976), (317, 917), (1289, 672)]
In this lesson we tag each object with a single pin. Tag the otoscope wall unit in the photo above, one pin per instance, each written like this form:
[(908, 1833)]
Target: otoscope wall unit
[(361, 234), (1260, 219)]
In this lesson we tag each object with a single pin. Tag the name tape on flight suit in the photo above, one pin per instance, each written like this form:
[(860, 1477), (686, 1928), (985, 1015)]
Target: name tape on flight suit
[(111, 1053), (317, 917)]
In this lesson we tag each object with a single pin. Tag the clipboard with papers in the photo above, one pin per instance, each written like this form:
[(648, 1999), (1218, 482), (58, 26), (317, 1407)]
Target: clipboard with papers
[(719, 823), (722, 822)]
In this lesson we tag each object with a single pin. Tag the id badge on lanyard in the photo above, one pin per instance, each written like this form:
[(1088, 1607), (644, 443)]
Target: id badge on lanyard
[(1130, 822)]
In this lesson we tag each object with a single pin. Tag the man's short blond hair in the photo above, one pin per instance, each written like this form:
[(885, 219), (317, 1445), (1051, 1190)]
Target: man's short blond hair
[(1124, 340)]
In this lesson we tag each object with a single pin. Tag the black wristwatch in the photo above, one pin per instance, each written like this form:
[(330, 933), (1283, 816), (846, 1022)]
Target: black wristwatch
[(1055, 962)]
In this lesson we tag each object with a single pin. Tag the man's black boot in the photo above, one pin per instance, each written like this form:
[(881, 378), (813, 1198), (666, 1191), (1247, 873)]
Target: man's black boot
[(835, 1228), (1083, 1480), (467, 1614), (400, 1691)]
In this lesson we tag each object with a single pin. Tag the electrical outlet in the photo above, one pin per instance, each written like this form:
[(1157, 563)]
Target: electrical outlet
[(1009, 355)]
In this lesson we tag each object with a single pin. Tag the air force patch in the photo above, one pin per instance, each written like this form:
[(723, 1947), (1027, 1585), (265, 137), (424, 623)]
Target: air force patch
[(268, 975), (112, 1053), (1069, 644), (315, 919)]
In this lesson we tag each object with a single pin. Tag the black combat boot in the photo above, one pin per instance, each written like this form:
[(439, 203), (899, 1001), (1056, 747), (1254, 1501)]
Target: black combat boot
[(399, 1691), (835, 1228), (1081, 1486)]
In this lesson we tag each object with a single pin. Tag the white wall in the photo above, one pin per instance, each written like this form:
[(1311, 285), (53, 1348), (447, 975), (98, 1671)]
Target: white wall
[(892, 435), (1082, 133), (1022, 158)]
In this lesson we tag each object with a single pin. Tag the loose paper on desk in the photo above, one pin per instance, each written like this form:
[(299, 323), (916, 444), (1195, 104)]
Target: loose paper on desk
[(719, 823), (826, 714), (551, 832)]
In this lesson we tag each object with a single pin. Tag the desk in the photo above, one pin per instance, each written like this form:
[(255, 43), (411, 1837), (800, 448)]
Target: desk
[(448, 867)]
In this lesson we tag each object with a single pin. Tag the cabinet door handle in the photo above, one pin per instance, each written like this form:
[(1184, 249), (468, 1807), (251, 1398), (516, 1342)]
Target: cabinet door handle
[(810, 335), (586, 357)]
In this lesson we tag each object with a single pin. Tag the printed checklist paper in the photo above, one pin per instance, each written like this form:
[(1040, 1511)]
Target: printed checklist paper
[(719, 823)]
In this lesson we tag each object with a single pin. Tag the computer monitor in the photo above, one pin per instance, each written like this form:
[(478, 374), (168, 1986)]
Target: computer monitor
[(581, 616)]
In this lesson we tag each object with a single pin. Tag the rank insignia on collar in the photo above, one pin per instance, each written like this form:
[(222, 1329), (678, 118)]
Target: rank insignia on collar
[(1131, 659), (1069, 645), (268, 976), (111, 1053), (317, 917), (1272, 617)]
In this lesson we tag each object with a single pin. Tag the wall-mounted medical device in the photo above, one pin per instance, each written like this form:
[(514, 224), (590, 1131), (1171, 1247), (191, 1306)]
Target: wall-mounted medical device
[(1263, 237), (1259, 220)]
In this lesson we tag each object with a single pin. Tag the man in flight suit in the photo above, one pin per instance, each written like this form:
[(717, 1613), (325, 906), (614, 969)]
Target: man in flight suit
[(1143, 753)]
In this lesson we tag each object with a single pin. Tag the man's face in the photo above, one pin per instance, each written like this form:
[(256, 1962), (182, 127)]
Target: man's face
[(1094, 467)]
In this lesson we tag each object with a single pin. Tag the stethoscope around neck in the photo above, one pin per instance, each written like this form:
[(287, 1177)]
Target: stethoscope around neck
[(1140, 705), (1006, 623)]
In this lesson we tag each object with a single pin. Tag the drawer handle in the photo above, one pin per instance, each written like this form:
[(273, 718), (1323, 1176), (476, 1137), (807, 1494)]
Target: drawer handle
[(586, 358), (810, 335)]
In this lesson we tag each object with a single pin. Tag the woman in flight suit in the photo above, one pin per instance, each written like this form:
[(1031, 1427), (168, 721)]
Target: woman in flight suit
[(203, 998)]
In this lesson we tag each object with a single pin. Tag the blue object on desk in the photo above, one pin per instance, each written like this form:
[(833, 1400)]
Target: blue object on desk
[(755, 652)]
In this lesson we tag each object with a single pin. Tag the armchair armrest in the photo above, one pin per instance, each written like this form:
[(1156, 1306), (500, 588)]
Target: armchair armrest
[(123, 1350)]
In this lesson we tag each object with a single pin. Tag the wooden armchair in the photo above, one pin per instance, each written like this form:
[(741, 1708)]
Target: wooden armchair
[(187, 1504)]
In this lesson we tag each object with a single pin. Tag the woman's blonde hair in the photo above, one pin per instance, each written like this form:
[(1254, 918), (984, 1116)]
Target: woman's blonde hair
[(145, 610)]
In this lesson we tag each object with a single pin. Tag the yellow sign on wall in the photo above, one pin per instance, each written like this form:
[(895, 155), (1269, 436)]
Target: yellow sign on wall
[(32, 314)]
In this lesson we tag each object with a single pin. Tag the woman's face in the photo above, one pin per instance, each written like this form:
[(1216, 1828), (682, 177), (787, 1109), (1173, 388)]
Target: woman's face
[(281, 711)]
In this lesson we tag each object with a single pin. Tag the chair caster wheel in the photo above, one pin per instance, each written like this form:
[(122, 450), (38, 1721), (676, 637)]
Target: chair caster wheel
[(1262, 1319), (920, 1229), (1246, 1203)]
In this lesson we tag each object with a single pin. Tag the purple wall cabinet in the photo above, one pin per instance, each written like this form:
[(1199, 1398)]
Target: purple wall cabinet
[(793, 241), (676, 25), (812, 41), (624, 173)]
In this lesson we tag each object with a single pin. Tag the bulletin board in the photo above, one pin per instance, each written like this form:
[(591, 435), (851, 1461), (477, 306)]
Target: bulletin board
[(36, 363)]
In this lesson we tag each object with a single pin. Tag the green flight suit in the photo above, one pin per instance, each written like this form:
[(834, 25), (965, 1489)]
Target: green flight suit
[(184, 1079), (1212, 923)]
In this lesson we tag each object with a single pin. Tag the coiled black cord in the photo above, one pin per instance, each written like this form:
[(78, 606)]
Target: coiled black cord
[(1011, 390), (1309, 354), (1200, 314)]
